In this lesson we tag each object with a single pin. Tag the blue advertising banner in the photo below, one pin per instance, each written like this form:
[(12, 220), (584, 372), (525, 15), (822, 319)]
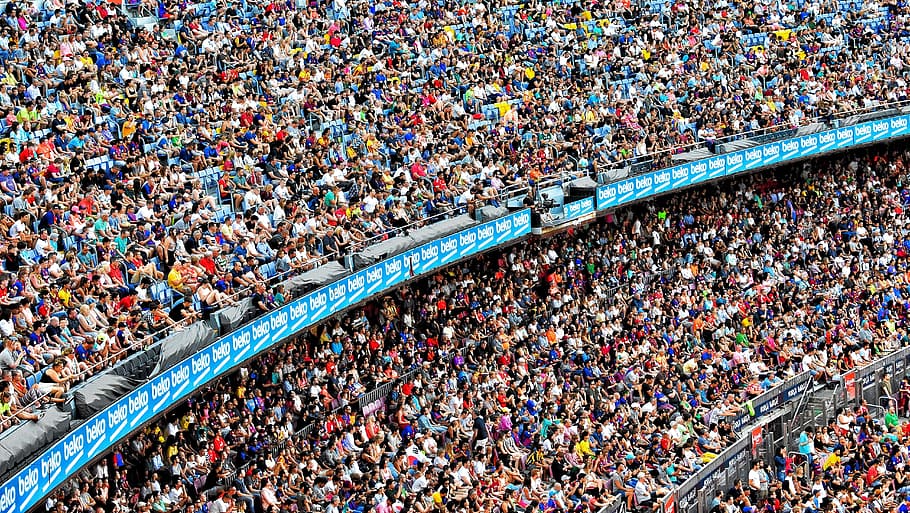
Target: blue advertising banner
[(862, 133), (692, 173), (808, 145), (577, 209), (113, 424)]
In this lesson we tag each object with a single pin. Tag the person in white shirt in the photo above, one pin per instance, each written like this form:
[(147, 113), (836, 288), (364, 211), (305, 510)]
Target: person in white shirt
[(267, 496)]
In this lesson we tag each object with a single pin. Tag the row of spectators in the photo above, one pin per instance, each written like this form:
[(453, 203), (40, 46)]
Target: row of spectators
[(151, 175), (601, 364)]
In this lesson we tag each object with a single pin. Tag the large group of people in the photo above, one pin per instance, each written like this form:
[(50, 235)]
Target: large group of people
[(602, 364), (161, 157)]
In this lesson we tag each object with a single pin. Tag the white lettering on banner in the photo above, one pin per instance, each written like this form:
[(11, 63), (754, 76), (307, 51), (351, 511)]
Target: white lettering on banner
[(680, 176), (522, 220), (240, 343), (429, 253), (373, 407), (625, 189), (161, 391), (881, 127), (467, 241), (716, 166), (261, 330), (240, 339), (862, 132), (699, 170), (73, 448), (221, 357), (753, 156), (898, 125), (94, 432), (844, 136), (826, 140), (28, 485), (392, 269), (180, 376), (734, 162), (202, 362), (374, 275), (768, 406), (503, 225), (299, 309), (770, 152), (50, 466), (450, 246), (8, 499), (116, 419), (357, 284), (138, 404), (643, 185), (486, 234), (337, 294), (278, 324), (503, 229), (790, 148), (318, 301), (807, 144)]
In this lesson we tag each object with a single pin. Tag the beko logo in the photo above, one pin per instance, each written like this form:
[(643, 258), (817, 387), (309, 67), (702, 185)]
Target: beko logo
[(117, 416), (448, 246), (319, 300), (809, 142), (337, 292), (523, 219), (771, 151), (138, 402), (643, 183), (502, 226), (625, 187), (50, 464), (357, 282), (221, 351), (880, 126), (485, 232), (789, 146), (299, 310)]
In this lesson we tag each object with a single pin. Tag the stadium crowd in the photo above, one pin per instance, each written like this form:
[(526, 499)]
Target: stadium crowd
[(160, 157), (602, 364)]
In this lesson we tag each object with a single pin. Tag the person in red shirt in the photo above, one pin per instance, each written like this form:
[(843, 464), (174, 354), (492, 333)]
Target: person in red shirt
[(29, 152)]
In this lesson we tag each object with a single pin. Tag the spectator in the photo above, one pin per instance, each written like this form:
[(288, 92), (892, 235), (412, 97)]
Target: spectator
[(566, 362)]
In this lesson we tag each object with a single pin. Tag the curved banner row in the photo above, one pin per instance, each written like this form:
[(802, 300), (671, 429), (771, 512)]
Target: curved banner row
[(112, 425), (750, 159), (30, 485)]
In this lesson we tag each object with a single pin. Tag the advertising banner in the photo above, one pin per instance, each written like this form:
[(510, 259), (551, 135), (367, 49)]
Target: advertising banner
[(850, 385), (670, 503), (113, 424), (769, 154), (578, 209), (756, 440)]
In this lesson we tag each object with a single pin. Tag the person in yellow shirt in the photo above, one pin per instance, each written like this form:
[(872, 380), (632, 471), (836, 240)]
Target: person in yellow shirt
[(583, 446)]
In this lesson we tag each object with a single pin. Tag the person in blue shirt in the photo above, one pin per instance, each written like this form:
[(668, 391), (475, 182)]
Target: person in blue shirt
[(807, 443)]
